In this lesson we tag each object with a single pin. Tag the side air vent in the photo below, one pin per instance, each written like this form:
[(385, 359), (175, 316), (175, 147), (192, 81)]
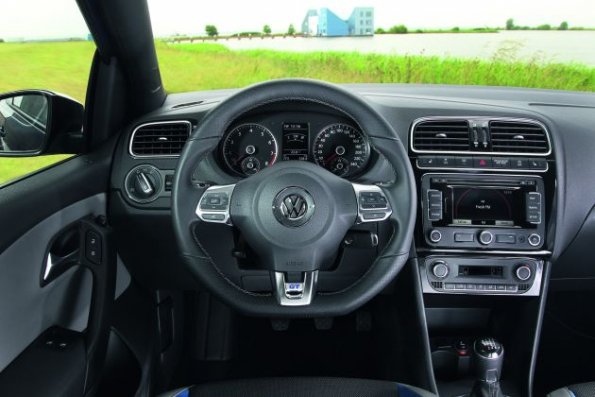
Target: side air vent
[(441, 136), (518, 137), (160, 139)]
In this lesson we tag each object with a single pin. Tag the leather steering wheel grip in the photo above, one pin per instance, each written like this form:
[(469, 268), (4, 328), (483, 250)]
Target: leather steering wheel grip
[(401, 194)]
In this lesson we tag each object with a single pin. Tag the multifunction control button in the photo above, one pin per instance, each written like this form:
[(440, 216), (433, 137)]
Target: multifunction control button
[(434, 205), (483, 162)]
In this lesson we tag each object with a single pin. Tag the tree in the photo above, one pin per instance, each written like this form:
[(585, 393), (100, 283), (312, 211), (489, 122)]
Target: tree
[(211, 30), (380, 31), (291, 30), (510, 24), (266, 29), (544, 27), (563, 26), (398, 29)]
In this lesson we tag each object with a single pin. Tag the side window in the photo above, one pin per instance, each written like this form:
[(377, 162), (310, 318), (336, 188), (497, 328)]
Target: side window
[(37, 53)]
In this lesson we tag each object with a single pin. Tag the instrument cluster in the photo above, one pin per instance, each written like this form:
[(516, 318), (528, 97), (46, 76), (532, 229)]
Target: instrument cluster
[(335, 144)]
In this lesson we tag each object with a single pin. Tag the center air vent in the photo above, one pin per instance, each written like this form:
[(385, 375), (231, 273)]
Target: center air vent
[(518, 137), (166, 138), (441, 136), (480, 135)]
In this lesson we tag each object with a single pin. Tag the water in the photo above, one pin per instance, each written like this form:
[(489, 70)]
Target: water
[(542, 46)]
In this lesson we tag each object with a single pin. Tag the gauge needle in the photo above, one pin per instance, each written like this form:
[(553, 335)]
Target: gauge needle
[(330, 158), (239, 159)]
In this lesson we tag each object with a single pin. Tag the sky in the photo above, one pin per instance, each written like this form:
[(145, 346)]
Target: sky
[(33, 19)]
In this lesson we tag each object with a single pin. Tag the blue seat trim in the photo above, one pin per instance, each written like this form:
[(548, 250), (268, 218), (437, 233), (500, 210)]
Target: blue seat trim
[(404, 391), (183, 393)]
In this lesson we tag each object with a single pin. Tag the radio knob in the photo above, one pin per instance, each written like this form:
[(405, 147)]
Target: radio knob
[(435, 236), (440, 269), (534, 240), (523, 272), (486, 237)]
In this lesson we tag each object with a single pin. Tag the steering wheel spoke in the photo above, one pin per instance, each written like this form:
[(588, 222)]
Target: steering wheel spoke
[(214, 204), (372, 203), (295, 288)]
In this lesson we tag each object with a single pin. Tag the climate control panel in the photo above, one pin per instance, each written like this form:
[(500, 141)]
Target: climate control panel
[(481, 275)]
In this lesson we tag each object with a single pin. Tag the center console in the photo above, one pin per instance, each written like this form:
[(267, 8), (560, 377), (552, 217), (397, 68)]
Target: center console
[(484, 200), (486, 190)]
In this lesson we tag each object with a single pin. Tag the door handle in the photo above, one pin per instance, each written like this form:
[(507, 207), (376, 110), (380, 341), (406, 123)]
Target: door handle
[(64, 252), (56, 265)]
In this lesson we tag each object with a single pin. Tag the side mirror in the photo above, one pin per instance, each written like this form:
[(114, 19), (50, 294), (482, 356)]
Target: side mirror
[(35, 122)]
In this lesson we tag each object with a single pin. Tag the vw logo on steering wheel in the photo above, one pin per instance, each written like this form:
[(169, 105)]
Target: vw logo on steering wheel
[(293, 206)]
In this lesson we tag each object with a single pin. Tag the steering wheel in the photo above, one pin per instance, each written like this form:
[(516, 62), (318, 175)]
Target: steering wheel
[(294, 214)]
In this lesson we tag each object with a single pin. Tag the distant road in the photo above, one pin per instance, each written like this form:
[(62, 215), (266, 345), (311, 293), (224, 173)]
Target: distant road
[(546, 46)]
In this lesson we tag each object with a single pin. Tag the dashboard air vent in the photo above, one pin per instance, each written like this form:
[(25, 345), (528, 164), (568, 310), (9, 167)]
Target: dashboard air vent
[(518, 137), (166, 138), (441, 135)]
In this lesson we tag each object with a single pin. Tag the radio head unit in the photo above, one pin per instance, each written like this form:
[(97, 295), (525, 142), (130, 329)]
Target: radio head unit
[(483, 211)]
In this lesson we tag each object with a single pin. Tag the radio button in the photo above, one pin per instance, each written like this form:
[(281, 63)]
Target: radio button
[(449, 286), (435, 236), (534, 240), (500, 287), (464, 237), (434, 205), (486, 237), (505, 238)]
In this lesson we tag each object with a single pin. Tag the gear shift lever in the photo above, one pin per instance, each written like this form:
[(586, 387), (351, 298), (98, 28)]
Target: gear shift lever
[(488, 356)]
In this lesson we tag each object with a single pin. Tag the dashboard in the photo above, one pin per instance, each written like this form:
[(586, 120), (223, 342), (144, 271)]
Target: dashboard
[(333, 142), (487, 212)]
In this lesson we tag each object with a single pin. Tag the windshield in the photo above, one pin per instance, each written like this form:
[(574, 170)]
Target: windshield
[(537, 43)]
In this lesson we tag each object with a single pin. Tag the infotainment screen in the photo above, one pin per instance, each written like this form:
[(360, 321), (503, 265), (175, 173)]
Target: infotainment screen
[(486, 206)]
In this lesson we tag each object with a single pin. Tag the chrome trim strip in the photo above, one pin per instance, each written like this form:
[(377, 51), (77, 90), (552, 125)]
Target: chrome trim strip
[(535, 289), (487, 252), (148, 156), (487, 118)]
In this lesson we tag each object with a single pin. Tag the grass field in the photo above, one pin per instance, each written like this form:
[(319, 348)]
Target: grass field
[(64, 67)]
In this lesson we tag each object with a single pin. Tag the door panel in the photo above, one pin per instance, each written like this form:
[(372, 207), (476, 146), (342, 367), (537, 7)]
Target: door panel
[(54, 324), (26, 308)]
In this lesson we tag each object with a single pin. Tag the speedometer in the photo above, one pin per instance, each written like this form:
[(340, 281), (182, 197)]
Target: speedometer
[(248, 148), (341, 149)]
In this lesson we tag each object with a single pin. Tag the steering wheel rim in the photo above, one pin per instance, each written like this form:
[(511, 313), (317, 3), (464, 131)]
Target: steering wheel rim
[(401, 195)]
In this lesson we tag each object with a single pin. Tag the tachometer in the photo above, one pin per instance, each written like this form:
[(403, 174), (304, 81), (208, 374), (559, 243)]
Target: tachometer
[(248, 148), (341, 149)]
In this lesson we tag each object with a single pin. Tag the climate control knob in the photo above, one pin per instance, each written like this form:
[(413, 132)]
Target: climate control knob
[(523, 272), (486, 237), (440, 269)]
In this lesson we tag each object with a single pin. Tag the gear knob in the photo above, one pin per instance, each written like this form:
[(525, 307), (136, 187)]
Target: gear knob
[(488, 356)]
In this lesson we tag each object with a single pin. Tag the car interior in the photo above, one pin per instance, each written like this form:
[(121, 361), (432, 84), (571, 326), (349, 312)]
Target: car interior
[(295, 237)]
